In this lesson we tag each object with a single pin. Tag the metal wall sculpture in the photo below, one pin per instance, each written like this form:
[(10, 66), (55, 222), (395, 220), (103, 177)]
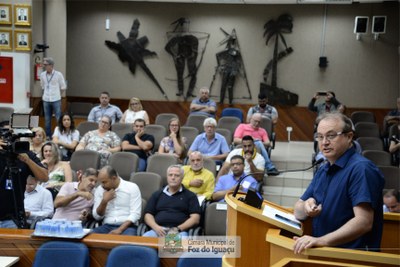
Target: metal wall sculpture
[(132, 50), (183, 46), (230, 66)]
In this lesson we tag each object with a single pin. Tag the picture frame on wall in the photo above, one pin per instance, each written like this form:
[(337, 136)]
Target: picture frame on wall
[(22, 40), (6, 40), (5, 14), (22, 15)]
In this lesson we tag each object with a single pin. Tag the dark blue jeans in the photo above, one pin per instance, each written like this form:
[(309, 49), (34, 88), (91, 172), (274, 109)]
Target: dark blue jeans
[(49, 108), (106, 228)]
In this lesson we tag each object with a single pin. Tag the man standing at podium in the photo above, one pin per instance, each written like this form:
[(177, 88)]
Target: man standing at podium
[(345, 197)]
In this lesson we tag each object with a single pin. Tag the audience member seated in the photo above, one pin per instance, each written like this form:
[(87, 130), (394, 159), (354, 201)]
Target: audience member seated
[(65, 136), (198, 179), (203, 104), (264, 109), (254, 162), (210, 143), (174, 143), (59, 171), (38, 141), (139, 143), (392, 118), (118, 203), (329, 104), (75, 199), (38, 201), (135, 111), (101, 140), (173, 208), (105, 108), (261, 139), (391, 201), (228, 182)]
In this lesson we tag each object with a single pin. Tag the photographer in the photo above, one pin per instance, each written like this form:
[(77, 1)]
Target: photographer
[(26, 164), (394, 147), (330, 102)]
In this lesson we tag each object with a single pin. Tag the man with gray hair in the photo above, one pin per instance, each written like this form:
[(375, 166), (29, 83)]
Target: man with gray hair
[(203, 105), (173, 208), (53, 86), (210, 143)]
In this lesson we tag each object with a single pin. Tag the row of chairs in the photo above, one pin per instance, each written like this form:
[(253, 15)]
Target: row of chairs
[(66, 253)]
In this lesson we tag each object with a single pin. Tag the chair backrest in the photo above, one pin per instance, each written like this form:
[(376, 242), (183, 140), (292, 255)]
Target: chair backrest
[(225, 133), (159, 163), (210, 165), (148, 183), (391, 174), (121, 129), (125, 163), (164, 118), (62, 253), (5, 113), (80, 109), (234, 112), (367, 129), (196, 120), (199, 262), (370, 143), (393, 130), (83, 159), (86, 126), (158, 131), (215, 220), (362, 116), (229, 122), (190, 134), (268, 125), (133, 256), (379, 157)]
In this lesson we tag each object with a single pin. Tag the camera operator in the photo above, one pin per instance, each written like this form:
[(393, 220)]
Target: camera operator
[(329, 104), (27, 164)]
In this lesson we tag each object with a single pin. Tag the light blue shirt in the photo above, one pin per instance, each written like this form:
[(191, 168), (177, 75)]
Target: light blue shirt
[(227, 181), (39, 202), (208, 103), (217, 146), (111, 111)]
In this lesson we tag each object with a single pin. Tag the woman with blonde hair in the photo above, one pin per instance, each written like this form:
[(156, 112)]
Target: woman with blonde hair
[(59, 171), (135, 111), (174, 143), (37, 142)]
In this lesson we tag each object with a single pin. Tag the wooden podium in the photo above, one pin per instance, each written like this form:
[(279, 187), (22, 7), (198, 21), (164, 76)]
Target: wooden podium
[(251, 226)]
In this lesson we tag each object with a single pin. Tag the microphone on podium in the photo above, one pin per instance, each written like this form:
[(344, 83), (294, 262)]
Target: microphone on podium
[(279, 172)]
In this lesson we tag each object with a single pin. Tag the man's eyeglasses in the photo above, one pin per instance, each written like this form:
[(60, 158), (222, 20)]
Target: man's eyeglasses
[(236, 164), (329, 136), (105, 122)]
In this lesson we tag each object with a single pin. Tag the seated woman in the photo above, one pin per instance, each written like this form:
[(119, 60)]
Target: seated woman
[(101, 140), (66, 136), (37, 142), (174, 143), (135, 111), (59, 171)]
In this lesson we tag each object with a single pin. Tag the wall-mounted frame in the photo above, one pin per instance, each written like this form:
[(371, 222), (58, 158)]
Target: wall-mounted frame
[(5, 14), (22, 15), (22, 40), (361, 24), (379, 24), (6, 40)]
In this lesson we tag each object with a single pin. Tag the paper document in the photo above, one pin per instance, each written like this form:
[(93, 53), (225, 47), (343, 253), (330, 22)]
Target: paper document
[(283, 217)]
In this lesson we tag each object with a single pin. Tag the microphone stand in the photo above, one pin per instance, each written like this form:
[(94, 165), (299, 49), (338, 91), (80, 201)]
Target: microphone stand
[(283, 171)]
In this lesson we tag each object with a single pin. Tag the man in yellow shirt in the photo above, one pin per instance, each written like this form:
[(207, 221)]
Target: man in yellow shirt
[(198, 179)]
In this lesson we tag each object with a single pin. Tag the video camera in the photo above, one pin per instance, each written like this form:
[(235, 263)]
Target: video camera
[(12, 144)]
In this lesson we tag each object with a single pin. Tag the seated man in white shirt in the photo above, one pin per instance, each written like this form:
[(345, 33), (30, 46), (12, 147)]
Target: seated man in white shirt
[(254, 162), (118, 203), (38, 201), (75, 199)]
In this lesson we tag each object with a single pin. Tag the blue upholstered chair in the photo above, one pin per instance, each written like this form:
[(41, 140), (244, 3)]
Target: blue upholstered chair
[(132, 256), (62, 254)]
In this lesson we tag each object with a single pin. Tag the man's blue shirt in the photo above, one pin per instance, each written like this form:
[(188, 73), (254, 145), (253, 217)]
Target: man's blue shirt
[(217, 146), (350, 181)]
